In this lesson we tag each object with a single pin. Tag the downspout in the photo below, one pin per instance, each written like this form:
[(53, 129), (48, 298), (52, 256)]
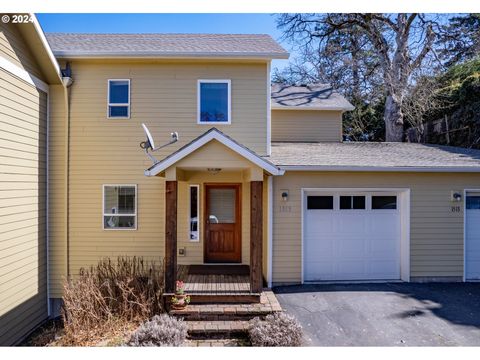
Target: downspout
[(47, 206), (67, 82), (269, 110)]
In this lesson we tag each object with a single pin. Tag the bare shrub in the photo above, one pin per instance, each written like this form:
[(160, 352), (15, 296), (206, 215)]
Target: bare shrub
[(129, 290), (278, 329), (162, 330)]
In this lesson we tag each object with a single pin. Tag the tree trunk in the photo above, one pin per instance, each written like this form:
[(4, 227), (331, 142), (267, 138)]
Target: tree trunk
[(393, 118)]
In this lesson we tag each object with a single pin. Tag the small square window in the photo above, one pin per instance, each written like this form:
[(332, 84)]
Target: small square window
[(118, 111), (352, 202), (119, 98), (472, 202), (214, 101), (384, 202), (345, 202), (358, 202), (320, 202)]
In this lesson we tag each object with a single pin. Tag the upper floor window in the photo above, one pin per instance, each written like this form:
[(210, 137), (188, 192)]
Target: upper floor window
[(214, 101), (119, 98)]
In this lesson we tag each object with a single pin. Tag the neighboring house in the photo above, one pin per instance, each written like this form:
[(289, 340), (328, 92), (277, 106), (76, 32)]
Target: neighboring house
[(260, 175), (29, 77)]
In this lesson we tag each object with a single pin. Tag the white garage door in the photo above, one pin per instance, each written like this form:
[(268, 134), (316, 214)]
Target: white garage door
[(352, 236), (472, 236)]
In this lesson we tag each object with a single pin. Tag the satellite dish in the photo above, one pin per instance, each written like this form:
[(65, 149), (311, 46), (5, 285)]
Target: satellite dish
[(149, 144)]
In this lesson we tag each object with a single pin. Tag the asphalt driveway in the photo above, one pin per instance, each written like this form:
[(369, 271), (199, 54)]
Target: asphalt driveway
[(393, 314)]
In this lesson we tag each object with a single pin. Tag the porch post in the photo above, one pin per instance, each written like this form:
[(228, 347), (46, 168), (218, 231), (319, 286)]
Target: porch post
[(256, 235), (170, 235)]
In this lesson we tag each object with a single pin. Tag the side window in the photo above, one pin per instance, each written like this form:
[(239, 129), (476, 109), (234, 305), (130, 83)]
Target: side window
[(118, 99), (384, 202), (119, 207), (352, 202), (319, 202), (194, 215), (472, 202), (214, 101)]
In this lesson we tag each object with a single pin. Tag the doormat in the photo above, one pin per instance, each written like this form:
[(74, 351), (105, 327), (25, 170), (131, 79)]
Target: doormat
[(218, 270)]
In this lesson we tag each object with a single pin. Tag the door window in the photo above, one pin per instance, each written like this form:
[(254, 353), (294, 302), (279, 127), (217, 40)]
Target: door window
[(221, 206)]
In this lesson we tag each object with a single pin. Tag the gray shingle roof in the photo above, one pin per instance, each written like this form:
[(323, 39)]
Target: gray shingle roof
[(373, 155), (165, 45), (312, 96)]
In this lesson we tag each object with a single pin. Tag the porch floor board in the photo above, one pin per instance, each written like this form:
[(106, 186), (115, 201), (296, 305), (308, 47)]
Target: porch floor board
[(213, 284)]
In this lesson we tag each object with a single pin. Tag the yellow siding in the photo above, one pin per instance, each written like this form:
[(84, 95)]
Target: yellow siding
[(57, 198), (306, 125), (164, 96), (15, 49), (23, 275), (214, 154), (106, 151), (436, 235)]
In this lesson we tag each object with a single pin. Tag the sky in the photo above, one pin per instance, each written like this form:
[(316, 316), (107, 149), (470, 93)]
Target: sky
[(166, 23)]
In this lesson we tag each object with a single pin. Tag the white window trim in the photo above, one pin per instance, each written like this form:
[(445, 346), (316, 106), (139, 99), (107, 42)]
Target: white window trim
[(223, 81), (198, 212), (117, 104), (105, 214)]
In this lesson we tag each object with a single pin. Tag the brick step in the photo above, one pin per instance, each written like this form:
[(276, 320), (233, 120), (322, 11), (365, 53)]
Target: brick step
[(224, 312), (197, 329), (220, 312), (222, 341), (207, 298)]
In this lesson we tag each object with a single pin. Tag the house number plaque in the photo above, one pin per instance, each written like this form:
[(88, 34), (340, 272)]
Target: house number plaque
[(285, 209)]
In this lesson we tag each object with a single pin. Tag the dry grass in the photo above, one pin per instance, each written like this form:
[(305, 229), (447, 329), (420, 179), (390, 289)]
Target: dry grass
[(110, 297)]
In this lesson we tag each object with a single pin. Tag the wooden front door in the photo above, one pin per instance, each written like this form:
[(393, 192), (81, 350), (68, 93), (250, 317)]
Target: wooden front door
[(223, 242)]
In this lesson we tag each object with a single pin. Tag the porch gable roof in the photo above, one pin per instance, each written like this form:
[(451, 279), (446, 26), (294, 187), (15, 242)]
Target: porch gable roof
[(213, 134)]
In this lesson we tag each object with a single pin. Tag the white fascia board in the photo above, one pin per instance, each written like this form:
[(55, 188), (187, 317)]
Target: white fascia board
[(305, 108), (44, 41), (440, 169), (23, 75), (214, 135)]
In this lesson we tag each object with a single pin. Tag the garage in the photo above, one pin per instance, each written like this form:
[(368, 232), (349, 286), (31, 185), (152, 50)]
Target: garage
[(472, 235), (353, 235)]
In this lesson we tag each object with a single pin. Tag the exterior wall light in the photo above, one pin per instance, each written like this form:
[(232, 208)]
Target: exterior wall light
[(456, 196), (284, 195)]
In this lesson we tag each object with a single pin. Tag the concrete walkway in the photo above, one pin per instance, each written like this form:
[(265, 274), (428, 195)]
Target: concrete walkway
[(394, 314)]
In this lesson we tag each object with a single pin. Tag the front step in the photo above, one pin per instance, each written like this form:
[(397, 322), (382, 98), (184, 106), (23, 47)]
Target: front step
[(227, 312), (219, 328), (221, 312), (217, 333), (206, 298)]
